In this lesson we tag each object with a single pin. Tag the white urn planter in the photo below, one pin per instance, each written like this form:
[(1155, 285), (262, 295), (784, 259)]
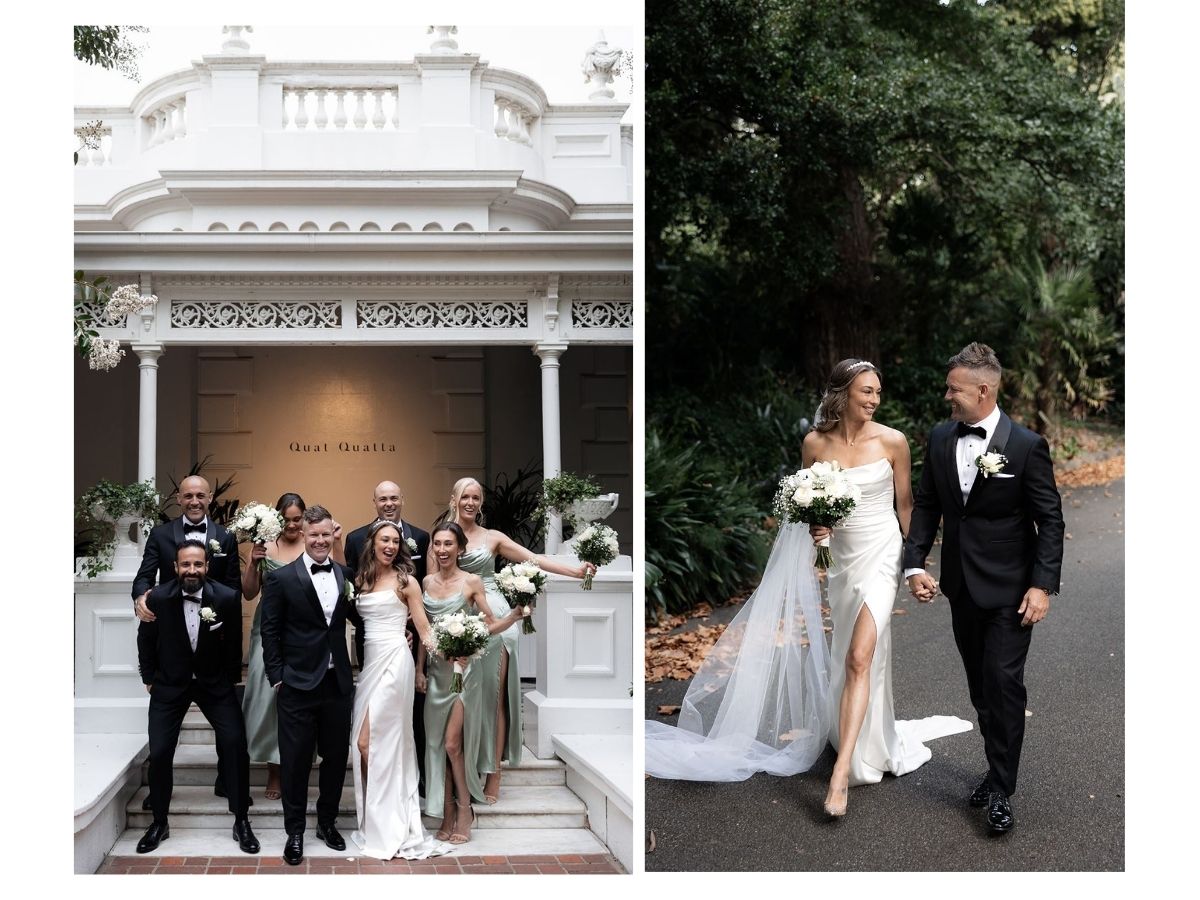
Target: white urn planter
[(584, 512)]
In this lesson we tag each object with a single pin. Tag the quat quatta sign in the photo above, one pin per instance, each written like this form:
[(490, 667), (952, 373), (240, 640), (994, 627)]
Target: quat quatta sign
[(342, 447)]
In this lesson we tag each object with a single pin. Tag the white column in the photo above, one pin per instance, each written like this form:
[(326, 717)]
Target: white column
[(551, 441), (148, 355)]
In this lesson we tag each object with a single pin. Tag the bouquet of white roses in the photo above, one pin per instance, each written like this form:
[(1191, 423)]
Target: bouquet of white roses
[(457, 635), (258, 523), (596, 544), (819, 495), (520, 583)]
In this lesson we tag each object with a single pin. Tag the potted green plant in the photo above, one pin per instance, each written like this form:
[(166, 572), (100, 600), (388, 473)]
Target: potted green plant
[(576, 498), (110, 511)]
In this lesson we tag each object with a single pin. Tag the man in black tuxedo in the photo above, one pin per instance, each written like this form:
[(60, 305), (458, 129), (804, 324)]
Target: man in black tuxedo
[(389, 504), (191, 652), (194, 524), (305, 607), (1002, 554), (158, 559)]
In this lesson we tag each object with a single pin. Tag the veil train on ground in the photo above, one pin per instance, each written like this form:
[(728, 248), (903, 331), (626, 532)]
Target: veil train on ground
[(760, 701)]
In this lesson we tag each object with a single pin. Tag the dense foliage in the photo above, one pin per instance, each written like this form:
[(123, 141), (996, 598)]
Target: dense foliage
[(888, 180)]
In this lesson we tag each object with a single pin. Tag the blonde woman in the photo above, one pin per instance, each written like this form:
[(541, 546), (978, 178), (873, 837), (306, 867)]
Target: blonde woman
[(501, 681)]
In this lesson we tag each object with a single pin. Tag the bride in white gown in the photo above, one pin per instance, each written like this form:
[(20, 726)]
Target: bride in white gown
[(767, 698), (385, 774)]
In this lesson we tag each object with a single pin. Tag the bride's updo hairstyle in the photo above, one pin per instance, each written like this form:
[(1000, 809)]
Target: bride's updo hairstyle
[(837, 392), (369, 568)]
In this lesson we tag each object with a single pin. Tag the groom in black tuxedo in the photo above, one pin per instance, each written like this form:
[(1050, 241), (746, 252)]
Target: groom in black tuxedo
[(305, 607), (191, 652), (1002, 554), (389, 503)]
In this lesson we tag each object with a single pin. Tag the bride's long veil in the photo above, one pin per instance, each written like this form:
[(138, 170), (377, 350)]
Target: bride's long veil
[(760, 701)]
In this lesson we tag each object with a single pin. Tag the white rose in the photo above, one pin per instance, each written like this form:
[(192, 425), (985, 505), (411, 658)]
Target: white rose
[(821, 469), (455, 629), (803, 496), (836, 489), (524, 585)]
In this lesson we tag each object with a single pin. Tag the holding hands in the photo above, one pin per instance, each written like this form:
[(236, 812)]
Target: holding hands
[(923, 587)]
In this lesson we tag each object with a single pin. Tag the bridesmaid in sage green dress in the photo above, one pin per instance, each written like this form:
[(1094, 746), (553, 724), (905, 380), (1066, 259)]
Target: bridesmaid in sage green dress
[(258, 702), (502, 735), (453, 722)]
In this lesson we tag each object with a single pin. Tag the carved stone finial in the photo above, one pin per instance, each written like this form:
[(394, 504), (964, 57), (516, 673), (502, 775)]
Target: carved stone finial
[(443, 43), (236, 44), (601, 64)]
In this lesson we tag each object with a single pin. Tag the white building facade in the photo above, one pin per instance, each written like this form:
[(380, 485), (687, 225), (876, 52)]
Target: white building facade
[(411, 271)]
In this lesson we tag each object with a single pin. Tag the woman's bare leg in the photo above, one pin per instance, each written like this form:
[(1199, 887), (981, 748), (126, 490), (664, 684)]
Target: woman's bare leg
[(491, 787), (853, 707)]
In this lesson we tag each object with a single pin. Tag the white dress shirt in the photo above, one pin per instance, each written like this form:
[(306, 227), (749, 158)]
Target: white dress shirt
[(969, 448), (191, 616), (327, 590), (204, 522)]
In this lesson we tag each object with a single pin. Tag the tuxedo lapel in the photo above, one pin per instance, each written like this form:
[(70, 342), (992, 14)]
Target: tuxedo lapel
[(951, 465), (177, 532), (307, 587), (338, 608)]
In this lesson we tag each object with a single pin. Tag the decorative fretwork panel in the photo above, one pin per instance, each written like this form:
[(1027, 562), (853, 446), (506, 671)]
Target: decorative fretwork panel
[(256, 314), (442, 314), (602, 314)]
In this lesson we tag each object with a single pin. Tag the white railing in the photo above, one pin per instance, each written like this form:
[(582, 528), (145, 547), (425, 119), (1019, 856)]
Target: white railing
[(513, 121), (307, 108), (166, 122)]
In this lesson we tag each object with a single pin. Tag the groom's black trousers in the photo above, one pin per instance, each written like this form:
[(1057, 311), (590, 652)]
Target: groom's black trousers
[(317, 719), (993, 646), (168, 706)]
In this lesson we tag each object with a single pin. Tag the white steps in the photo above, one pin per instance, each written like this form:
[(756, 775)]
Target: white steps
[(536, 813)]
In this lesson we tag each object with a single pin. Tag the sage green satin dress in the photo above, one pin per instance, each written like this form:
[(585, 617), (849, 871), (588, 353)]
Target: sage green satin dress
[(439, 701), (258, 702), (482, 563)]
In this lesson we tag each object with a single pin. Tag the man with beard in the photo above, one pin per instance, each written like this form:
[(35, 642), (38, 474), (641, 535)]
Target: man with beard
[(191, 652)]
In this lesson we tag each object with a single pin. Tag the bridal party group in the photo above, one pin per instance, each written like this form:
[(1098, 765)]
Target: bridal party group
[(425, 729)]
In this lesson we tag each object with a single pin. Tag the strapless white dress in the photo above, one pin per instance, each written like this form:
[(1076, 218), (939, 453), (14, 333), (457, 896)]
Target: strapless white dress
[(389, 821), (766, 697)]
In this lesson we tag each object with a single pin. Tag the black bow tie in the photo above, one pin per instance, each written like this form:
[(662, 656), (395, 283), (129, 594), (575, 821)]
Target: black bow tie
[(190, 599), (188, 527), (964, 429), (317, 567)]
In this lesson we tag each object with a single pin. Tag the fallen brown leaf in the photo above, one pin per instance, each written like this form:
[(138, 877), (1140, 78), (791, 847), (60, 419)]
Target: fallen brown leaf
[(653, 843), (667, 709), (1093, 473)]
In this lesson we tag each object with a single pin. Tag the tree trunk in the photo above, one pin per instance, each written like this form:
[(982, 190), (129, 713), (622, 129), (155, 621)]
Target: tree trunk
[(842, 320)]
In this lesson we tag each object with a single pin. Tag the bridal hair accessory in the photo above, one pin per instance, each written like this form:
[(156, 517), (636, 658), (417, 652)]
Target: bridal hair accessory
[(860, 364)]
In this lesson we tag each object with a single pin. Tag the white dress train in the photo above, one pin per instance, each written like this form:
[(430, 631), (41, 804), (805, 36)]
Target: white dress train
[(766, 697), (389, 822)]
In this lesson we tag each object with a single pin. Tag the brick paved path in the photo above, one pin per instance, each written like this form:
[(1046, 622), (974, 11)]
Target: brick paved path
[(591, 864)]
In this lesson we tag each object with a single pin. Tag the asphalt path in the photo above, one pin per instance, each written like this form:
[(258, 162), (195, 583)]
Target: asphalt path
[(1070, 801)]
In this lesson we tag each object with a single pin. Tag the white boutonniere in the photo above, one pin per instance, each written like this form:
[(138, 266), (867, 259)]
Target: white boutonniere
[(208, 614), (215, 547), (348, 591), (991, 463), (412, 545)]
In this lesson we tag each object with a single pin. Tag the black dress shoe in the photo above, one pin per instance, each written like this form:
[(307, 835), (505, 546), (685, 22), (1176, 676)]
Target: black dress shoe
[(154, 835), (244, 835), (293, 849), (329, 834), (999, 814), (980, 796)]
